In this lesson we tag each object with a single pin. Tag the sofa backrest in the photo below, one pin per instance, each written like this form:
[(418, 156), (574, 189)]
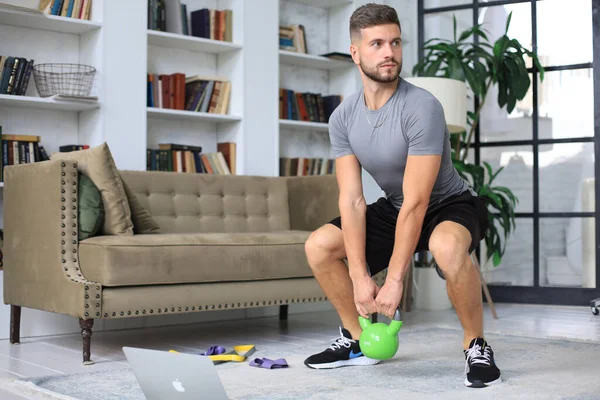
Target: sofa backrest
[(187, 203)]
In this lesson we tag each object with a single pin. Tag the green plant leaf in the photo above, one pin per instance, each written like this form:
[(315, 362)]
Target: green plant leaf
[(496, 200), (508, 22), (455, 70), (454, 22), (500, 47), (474, 30), (497, 258), (491, 173), (502, 100), (436, 40), (513, 199), (434, 67)]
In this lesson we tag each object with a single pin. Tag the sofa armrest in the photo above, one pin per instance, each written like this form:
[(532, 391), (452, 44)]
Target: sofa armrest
[(313, 201), (41, 260)]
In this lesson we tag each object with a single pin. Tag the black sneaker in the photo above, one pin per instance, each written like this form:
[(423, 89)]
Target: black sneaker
[(343, 352), (480, 367)]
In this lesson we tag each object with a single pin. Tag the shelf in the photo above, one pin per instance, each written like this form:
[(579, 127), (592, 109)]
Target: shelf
[(312, 61), (323, 3), (46, 103), (166, 113), (307, 126), (185, 42), (38, 20)]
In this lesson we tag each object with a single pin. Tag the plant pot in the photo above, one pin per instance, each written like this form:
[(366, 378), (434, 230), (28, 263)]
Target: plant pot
[(430, 293), (452, 94)]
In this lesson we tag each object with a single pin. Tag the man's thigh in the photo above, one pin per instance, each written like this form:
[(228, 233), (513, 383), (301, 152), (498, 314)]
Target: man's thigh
[(381, 219), (466, 210)]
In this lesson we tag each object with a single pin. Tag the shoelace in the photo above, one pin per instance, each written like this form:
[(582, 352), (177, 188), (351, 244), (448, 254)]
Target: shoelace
[(476, 356), (340, 342)]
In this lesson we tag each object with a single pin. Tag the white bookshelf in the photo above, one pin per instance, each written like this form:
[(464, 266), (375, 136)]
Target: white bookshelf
[(46, 103), (303, 125), (312, 61), (168, 53), (324, 3), (191, 116), (39, 21), (175, 41), (312, 73)]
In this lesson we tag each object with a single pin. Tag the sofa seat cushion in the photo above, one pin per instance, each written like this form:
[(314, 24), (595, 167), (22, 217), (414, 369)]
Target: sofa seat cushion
[(171, 258)]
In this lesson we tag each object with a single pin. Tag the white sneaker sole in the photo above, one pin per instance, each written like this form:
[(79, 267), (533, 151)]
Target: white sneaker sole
[(345, 363), (480, 384)]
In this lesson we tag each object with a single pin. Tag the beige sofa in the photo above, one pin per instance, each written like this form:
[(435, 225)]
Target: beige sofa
[(225, 242)]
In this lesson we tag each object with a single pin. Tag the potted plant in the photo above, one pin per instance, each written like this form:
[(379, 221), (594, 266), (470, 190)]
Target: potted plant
[(481, 65)]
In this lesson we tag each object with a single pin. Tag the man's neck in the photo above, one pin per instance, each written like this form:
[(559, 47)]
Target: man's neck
[(377, 94)]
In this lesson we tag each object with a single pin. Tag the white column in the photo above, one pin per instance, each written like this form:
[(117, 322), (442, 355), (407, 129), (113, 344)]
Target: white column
[(124, 105), (261, 88)]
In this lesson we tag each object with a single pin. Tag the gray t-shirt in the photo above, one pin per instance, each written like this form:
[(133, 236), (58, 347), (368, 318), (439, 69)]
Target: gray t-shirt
[(412, 122)]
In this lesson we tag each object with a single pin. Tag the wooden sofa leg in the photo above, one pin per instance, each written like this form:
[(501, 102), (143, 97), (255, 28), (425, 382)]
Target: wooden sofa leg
[(15, 324), (86, 334), (283, 312)]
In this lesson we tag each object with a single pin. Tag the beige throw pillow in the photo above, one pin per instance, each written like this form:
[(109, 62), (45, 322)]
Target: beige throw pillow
[(98, 164), (141, 218)]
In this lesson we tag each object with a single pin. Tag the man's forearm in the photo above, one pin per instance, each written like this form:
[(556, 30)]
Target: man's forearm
[(354, 233), (408, 230)]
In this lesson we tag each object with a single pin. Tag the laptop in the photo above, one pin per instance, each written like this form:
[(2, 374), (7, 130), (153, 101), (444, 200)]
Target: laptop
[(165, 375)]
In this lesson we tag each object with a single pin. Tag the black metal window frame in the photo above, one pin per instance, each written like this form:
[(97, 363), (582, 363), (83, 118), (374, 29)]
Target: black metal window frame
[(536, 293)]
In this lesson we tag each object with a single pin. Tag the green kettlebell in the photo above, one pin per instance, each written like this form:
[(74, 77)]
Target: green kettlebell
[(380, 341)]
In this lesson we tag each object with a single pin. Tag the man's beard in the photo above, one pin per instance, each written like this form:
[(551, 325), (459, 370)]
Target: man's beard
[(376, 76)]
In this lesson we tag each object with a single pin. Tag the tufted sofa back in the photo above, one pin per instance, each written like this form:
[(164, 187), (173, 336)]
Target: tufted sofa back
[(188, 203)]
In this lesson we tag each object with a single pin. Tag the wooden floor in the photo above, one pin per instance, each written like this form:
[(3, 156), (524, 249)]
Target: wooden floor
[(62, 354)]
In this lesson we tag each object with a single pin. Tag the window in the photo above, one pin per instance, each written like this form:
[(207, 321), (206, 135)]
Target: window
[(547, 144)]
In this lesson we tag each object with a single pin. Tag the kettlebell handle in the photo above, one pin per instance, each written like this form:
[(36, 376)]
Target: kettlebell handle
[(397, 315)]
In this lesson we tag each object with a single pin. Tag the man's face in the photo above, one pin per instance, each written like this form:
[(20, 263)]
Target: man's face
[(379, 52)]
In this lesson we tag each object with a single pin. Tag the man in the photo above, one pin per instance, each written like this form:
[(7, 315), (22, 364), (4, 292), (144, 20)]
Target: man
[(398, 133)]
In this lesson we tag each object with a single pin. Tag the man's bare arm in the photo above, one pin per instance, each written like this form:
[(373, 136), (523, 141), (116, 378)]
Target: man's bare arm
[(419, 177), (353, 209)]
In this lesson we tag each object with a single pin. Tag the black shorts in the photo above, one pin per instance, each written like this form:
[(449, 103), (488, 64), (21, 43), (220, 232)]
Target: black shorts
[(465, 209)]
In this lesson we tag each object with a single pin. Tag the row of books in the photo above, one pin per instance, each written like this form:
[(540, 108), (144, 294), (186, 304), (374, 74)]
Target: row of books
[(293, 38), (79, 9), (172, 157), (195, 93), (73, 147), (20, 149), (15, 74), (302, 166), (307, 106), (172, 16)]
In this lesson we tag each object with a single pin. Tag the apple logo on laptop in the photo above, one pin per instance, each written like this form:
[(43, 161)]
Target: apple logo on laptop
[(178, 386)]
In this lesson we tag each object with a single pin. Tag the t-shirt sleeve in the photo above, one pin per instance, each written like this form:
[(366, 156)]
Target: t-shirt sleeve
[(338, 134), (425, 127)]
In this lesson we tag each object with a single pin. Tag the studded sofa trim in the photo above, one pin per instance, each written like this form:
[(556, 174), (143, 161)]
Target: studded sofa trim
[(92, 301), (41, 200)]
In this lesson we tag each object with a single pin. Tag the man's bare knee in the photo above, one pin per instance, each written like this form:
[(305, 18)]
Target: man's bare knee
[(324, 245), (449, 246)]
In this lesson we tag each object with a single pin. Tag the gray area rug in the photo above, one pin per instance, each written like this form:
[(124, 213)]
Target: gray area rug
[(428, 365)]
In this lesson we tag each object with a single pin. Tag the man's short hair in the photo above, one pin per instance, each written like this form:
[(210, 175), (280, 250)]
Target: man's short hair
[(369, 15)]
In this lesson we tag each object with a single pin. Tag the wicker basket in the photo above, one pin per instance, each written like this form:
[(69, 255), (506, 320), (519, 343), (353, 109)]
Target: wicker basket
[(65, 79)]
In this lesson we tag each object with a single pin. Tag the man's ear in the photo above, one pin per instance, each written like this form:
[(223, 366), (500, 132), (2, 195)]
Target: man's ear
[(354, 54)]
